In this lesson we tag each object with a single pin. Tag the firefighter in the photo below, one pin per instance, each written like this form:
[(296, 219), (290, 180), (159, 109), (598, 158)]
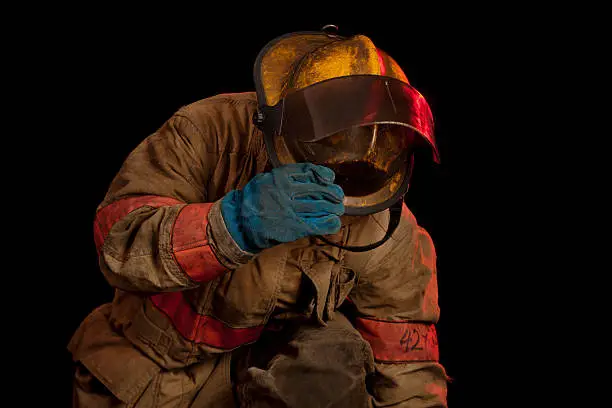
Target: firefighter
[(261, 251)]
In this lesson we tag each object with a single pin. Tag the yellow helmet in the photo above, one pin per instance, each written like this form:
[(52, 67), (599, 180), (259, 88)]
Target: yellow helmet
[(343, 103)]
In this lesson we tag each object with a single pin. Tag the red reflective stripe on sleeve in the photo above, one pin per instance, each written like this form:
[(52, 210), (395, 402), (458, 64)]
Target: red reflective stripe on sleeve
[(201, 328), (110, 214), (399, 341), (190, 244)]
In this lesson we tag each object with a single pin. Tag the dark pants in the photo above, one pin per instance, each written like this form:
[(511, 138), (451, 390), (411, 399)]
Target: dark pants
[(306, 366)]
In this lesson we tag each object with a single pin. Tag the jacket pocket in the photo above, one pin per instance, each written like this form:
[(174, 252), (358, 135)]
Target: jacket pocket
[(111, 358), (342, 283), (346, 282)]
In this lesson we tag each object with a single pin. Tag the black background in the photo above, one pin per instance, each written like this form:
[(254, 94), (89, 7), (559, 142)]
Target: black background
[(107, 81)]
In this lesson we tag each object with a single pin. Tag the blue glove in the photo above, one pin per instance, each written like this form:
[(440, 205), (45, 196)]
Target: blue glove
[(286, 204)]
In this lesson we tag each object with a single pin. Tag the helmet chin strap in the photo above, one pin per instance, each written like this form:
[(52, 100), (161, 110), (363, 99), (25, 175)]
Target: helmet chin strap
[(394, 218)]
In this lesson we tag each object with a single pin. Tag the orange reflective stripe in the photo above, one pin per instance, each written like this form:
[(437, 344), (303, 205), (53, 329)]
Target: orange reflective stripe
[(190, 244), (201, 328), (400, 341), (110, 214)]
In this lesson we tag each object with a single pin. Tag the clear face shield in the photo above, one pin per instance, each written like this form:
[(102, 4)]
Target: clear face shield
[(364, 127)]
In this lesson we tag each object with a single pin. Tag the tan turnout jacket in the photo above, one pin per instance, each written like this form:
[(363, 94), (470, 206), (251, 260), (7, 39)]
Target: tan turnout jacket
[(187, 296)]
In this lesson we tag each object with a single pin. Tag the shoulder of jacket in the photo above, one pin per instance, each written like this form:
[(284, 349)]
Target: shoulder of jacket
[(223, 122), (225, 104)]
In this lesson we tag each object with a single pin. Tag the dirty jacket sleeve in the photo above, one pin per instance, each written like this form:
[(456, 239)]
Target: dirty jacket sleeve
[(157, 229), (395, 305)]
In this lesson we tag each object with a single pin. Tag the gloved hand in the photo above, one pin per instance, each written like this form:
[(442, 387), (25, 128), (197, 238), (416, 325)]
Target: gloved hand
[(288, 203)]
